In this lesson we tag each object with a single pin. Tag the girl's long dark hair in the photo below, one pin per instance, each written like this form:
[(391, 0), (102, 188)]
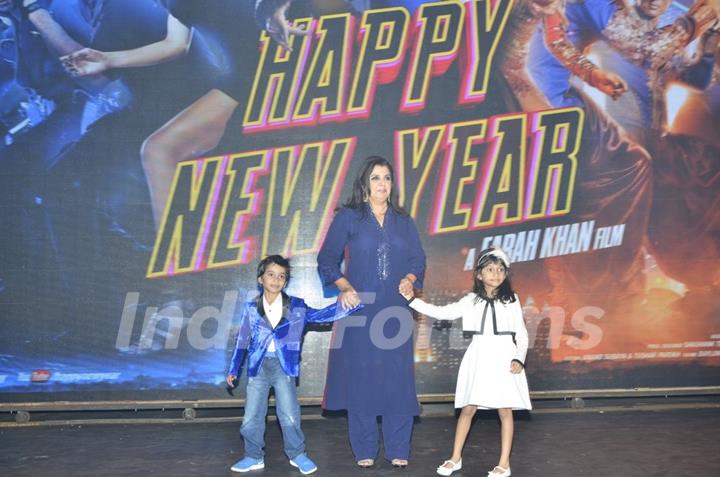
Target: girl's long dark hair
[(504, 292), (361, 186)]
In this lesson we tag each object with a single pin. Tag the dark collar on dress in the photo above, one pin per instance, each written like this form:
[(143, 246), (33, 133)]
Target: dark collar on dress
[(490, 303)]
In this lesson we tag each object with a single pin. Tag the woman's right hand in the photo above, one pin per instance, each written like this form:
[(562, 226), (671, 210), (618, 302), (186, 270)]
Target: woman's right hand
[(406, 295), (348, 298), (86, 62)]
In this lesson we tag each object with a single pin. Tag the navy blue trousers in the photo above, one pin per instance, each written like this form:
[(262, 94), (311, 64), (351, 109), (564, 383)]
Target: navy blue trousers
[(365, 438)]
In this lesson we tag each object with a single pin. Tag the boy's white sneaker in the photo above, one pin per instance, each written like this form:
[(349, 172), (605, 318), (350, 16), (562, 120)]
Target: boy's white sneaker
[(246, 464), (304, 464)]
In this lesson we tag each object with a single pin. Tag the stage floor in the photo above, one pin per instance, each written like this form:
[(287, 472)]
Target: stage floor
[(660, 442)]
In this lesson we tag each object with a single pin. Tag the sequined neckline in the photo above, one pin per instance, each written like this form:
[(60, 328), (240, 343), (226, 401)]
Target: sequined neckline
[(382, 254)]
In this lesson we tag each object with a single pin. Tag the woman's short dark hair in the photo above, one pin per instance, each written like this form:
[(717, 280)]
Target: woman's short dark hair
[(277, 260), (505, 292), (361, 185)]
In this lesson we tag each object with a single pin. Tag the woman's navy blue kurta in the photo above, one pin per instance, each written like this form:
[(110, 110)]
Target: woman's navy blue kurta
[(371, 365)]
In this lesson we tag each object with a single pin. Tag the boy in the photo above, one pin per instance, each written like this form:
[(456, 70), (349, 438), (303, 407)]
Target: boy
[(271, 329)]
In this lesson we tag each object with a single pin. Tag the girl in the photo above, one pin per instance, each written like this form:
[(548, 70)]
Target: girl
[(492, 372)]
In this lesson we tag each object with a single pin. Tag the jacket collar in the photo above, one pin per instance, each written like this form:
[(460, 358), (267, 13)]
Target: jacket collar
[(285, 308)]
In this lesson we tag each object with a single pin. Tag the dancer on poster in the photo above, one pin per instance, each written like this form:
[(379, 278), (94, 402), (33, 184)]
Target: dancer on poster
[(492, 371), (641, 53), (200, 127), (652, 58)]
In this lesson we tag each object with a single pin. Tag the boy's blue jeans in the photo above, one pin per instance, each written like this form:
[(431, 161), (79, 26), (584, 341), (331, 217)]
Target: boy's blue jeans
[(269, 375)]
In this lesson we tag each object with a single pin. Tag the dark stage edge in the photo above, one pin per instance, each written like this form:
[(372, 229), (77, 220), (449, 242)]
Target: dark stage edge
[(593, 442)]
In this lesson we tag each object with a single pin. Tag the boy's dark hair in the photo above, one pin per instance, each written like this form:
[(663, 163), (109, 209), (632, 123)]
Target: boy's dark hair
[(504, 292), (277, 260)]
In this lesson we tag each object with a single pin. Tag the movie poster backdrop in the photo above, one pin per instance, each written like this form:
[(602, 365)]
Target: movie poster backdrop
[(606, 203)]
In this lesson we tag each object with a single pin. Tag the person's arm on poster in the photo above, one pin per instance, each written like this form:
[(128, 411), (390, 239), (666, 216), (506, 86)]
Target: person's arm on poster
[(701, 17), (176, 43), (557, 42), (51, 31), (271, 15), (613, 19), (61, 43), (513, 60), (697, 71), (88, 61)]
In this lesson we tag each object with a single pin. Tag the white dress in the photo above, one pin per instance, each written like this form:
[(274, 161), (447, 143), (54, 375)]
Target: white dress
[(484, 379)]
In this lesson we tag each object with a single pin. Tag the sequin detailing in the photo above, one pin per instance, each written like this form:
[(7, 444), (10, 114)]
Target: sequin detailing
[(383, 253), (564, 50)]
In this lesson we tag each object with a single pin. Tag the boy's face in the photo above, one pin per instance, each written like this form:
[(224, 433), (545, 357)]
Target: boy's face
[(274, 278)]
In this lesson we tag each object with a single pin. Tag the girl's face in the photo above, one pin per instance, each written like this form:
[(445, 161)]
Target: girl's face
[(492, 275), (380, 184)]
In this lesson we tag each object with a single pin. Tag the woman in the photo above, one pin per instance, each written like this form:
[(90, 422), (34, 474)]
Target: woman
[(370, 369), (200, 127)]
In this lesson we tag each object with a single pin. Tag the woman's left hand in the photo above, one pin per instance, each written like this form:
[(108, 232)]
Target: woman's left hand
[(406, 287)]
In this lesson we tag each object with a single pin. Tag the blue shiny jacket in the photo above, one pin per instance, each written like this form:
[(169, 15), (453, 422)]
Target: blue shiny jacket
[(256, 332)]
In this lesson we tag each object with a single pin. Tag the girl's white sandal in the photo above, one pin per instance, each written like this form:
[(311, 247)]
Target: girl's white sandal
[(503, 472), (443, 470)]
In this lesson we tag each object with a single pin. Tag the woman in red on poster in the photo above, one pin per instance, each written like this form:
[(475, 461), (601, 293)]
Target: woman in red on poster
[(200, 127)]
